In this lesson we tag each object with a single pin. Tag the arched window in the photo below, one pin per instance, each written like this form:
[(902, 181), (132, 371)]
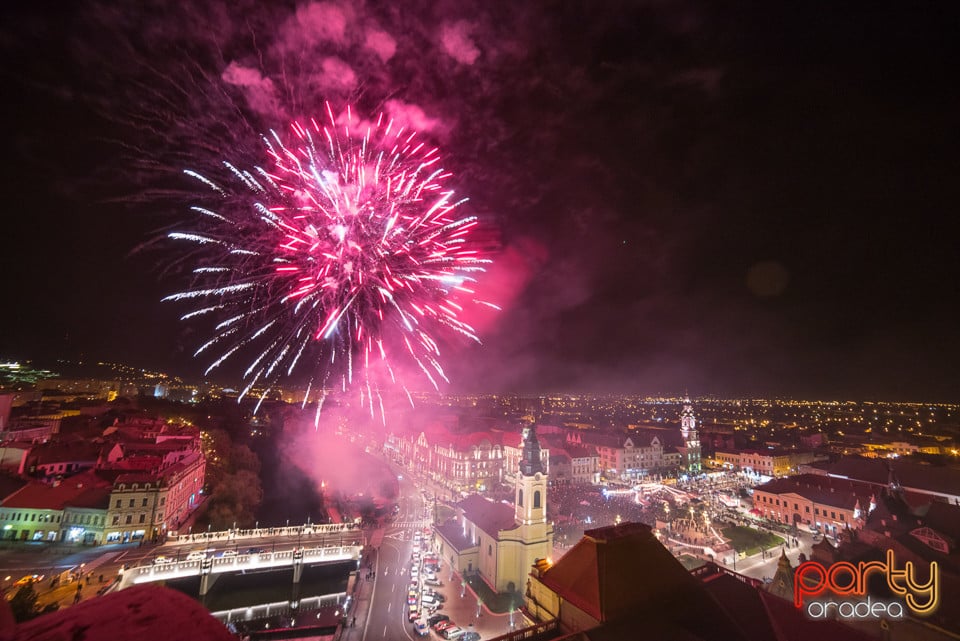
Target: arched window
[(536, 499), (520, 498)]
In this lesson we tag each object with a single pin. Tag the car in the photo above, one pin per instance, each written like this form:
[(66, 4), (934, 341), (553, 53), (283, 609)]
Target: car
[(453, 632), (442, 625), (429, 575), (421, 628), (414, 584), (470, 636), (428, 599), (254, 551), (163, 560), (437, 618), (412, 598), (435, 582), (413, 613), (430, 608), (439, 597), (197, 555), (227, 553), (27, 580), (414, 571)]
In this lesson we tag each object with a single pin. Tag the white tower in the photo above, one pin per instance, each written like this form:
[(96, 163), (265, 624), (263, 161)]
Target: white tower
[(691, 440)]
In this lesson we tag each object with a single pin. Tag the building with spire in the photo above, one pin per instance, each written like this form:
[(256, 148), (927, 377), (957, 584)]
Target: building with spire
[(498, 541), (690, 450)]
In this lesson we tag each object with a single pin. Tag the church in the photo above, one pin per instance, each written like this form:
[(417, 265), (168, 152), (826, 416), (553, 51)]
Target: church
[(498, 541)]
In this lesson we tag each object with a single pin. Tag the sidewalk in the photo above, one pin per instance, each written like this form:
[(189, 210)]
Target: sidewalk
[(355, 621)]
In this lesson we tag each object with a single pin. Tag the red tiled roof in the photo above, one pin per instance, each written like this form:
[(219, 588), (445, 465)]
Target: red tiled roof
[(623, 574), (825, 490), (41, 496)]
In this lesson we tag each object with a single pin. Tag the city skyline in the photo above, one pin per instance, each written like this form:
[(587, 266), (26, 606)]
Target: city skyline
[(740, 203)]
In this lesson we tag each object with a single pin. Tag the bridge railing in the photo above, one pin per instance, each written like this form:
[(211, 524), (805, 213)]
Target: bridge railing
[(280, 608), (176, 569), (306, 529)]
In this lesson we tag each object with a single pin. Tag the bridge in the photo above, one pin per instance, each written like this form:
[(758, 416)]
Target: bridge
[(210, 569)]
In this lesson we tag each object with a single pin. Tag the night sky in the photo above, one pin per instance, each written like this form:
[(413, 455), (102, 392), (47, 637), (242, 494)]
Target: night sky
[(731, 199)]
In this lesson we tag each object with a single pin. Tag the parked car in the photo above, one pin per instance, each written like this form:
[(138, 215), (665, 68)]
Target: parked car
[(435, 582), (421, 628), (443, 625), (163, 560), (470, 636), (412, 598), (227, 553), (437, 618), (197, 556), (452, 633), (413, 613)]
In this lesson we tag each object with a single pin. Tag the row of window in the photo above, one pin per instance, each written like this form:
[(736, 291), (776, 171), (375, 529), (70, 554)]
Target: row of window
[(128, 519), (23, 516), (143, 503), (816, 510)]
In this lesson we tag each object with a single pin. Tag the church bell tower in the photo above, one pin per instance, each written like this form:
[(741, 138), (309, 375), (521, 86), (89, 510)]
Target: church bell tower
[(531, 489), (691, 440)]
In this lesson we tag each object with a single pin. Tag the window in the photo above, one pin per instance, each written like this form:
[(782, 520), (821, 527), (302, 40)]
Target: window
[(163, 500), (143, 518), (842, 518), (144, 504), (807, 509), (520, 498), (796, 506), (119, 503), (833, 514), (116, 520), (816, 511), (129, 519), (489, 550), (131, 502), (536, 499)]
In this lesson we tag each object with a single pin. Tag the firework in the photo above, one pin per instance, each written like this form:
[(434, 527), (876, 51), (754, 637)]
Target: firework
[(344, 256)]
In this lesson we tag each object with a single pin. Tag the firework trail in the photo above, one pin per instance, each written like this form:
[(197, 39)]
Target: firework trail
[(344, 256)]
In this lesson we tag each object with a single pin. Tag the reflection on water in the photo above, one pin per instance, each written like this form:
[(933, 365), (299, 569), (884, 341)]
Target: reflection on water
[(238, 590)]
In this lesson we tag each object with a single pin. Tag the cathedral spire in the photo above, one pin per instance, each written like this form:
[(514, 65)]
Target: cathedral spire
[(530, 461)]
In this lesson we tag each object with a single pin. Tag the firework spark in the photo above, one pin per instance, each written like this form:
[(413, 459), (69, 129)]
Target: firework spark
[(345, 255)]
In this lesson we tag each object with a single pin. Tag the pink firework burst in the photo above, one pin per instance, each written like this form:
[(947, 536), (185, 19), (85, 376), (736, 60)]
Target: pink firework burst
[(345, 254)]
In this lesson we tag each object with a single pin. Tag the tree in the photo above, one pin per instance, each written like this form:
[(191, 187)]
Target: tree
[(243, 458), (24, 604)]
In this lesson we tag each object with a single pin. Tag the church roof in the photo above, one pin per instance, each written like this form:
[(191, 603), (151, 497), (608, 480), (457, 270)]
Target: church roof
[(490, 516), (452, 533)]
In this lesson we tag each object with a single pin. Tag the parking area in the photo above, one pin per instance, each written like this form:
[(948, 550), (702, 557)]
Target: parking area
[(441, 605)]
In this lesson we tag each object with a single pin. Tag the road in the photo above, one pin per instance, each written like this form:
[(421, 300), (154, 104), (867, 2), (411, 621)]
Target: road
[(388, 604)]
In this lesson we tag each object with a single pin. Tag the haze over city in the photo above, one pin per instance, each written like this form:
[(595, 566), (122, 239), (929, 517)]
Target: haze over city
[(489, 321)]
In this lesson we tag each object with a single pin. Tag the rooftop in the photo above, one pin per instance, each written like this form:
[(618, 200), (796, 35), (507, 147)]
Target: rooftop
[(490, 516)]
